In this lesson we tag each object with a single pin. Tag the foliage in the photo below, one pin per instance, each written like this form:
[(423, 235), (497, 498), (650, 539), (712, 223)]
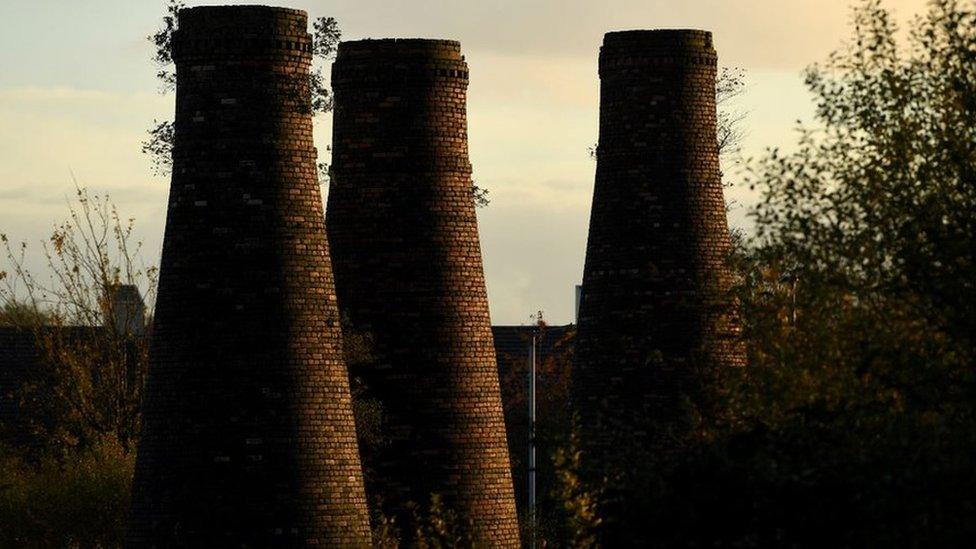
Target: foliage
[(17, 313), (437, 526), (162, 41), (878, 201), (853, 422), (580, 518), (325, 43), (92, 346), (159, 147), (432, 526), (385, 532), (358, 354), (79, 502), (480, 195), (858, 296), (729, 85)]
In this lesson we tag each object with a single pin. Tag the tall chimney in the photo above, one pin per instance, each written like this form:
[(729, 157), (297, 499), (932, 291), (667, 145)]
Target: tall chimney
[(402, 224), (655, 315), (248, 433)]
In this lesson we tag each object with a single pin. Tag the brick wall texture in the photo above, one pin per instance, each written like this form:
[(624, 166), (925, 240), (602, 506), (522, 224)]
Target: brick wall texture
[(248, 438), (656, 314), (404, 235)]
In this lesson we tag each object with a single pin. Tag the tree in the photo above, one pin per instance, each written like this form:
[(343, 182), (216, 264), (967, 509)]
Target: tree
[(729, 85), (854, 421), (857, 296), (879, 198), (80, 503), (91, 338), (868, 227)]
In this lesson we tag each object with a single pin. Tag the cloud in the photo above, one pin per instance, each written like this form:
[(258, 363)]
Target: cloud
[(16, 194), (49, 132), (533, 258), (759, 34)]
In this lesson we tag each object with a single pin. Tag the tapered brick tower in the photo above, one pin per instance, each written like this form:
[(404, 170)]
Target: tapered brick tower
[(404, 235), (655, 316), (248, 436)]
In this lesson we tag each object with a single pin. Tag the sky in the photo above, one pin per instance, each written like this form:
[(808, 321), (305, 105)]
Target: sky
[(77, 93)]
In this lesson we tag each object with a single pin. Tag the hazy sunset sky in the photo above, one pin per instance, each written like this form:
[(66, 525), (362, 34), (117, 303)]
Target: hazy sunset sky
[(77, 93)]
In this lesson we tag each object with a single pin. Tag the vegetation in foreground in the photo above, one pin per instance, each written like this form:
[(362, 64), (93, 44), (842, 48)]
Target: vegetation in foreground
[(854, 422)]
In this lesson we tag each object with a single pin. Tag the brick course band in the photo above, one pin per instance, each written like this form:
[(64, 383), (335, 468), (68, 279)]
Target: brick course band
[(248, 435), (655, 315), (404, 234)]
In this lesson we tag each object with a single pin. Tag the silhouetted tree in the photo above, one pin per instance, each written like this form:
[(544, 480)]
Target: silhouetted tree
[(854, 421)]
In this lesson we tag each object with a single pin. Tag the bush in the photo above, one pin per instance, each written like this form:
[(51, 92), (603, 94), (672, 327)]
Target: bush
[(78, 501)]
